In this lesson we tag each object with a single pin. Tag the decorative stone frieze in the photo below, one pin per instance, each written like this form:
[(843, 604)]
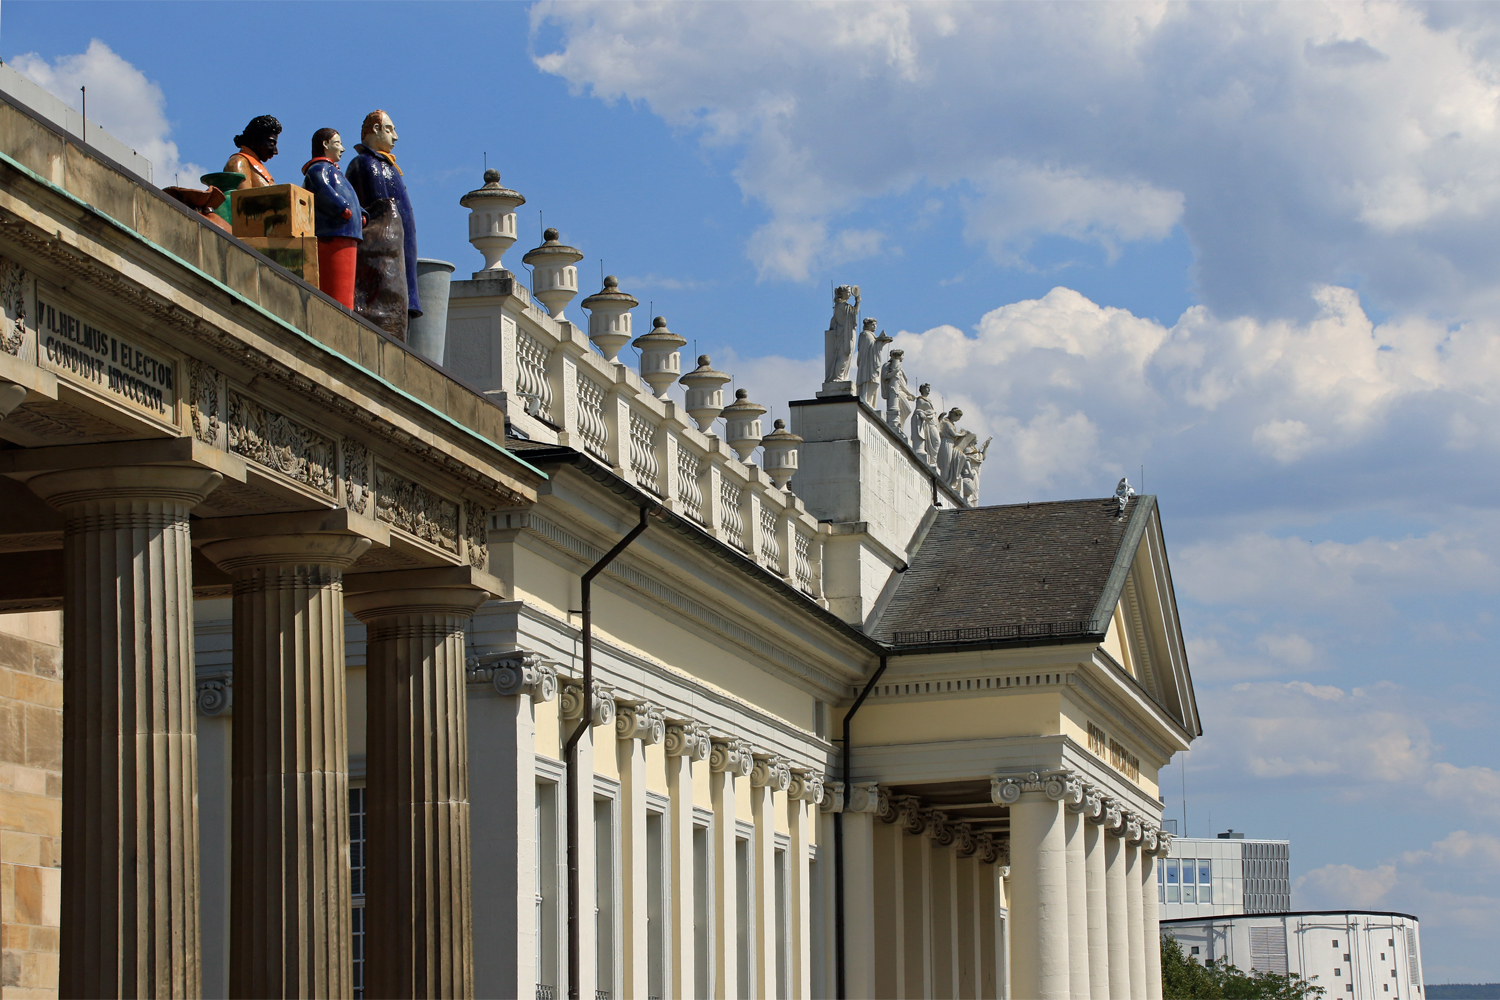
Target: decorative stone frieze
[(13, 299), (513, 673), (280, 443), (731, 756), (770, 771), (477, 535), (206, 386), (216, 694), (1057, 785), (571, 703), (686, 738), (356, 475), (415, 509), (639, 720)]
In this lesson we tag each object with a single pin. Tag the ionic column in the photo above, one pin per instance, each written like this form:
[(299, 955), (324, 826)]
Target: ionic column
[(289, 907), (942, 864), (1116, 903), (686, 743), (1078, 915), (418, 935), (889, 895), (130, 801), (916, 889), (1039, 884), (1093, 859), (1137, 915), (1152, 926)]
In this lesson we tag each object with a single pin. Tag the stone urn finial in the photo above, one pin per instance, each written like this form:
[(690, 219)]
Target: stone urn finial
[(779, 458), (492, 219), (555, 276), (705, 393), (742, 424), (609, 318), (661, 360)]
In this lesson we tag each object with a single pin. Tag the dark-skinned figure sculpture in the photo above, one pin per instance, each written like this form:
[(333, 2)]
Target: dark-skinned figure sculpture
[(257, 144)]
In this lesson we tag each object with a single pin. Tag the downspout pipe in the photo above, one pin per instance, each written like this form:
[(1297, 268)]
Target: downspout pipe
[(570, 750), (838, 838)]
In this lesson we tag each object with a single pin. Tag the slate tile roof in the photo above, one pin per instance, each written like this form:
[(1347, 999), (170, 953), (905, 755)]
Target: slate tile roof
[(1021, 571)]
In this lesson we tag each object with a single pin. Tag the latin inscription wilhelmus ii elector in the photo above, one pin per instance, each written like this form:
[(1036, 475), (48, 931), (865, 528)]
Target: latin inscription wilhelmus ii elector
[(70, 345)]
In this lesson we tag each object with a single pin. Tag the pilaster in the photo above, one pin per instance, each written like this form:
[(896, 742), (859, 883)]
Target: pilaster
[(637, 725), (728, 760), (129, 922), (1116, 902), (418, 936), (503, 692), (768, 776), (686, 744), (859, 898), (289, 863)]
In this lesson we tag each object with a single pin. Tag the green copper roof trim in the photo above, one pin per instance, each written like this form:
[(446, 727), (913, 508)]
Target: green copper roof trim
[(256, 306)]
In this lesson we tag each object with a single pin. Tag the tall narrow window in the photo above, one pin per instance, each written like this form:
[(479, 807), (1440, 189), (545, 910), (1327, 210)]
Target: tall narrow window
[(656, 925), (357, 886), (1173, 895), (702, 973), (1161, 883), (742, 886), (546, 890), (779, 872), (1205, 882), (604, 899), (1189, 895)]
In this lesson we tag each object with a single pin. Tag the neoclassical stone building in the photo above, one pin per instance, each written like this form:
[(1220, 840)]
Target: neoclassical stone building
[(515, 676)]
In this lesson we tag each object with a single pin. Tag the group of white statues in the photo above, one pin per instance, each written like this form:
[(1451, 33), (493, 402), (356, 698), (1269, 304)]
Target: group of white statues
[(951, 452)]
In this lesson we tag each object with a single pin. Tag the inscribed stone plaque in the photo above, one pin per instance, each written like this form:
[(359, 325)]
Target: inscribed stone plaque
[(82, 351)]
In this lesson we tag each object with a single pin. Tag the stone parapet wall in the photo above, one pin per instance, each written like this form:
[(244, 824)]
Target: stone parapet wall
[(30, 802)]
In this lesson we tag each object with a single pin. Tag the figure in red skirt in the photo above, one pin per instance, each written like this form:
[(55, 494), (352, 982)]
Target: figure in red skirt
[(337, 218)]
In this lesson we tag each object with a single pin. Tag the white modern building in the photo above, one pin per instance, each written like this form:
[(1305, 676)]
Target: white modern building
[(1227, 874), (1353, 953)]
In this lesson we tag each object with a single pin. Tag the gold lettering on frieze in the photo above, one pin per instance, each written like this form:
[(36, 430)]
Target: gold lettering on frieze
[(280, 443), (416, 510), (1097, 741)]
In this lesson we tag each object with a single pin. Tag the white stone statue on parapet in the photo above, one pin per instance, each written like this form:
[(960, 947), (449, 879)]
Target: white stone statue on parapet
[(898, 395), (867, 376), (838, 340), (924, 427), (954, 440), (973, 459)]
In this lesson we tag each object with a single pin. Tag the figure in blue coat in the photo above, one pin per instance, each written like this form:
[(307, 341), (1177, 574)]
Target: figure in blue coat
[(337, 217), (389, 248)]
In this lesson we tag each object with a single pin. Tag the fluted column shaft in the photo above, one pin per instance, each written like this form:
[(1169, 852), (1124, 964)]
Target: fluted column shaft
[(1039, 899), (1116, 917), (289, 905), (1137, 920), (418, 930), (130, 801), (1152, 925)]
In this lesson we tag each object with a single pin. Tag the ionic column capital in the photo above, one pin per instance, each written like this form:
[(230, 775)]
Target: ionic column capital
[(687, 738), (864, 797), (215, 695), (1058, 784), (1090, 804), (967, 843), (806, 786), (1163, 843), (770, 771), (570, 705), (731, 756), (833, 797), (1111, 815), (938, 828), (639, 720), (514, 673)]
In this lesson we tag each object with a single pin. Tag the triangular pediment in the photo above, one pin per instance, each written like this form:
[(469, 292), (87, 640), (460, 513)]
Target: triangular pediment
[(1144, 635)]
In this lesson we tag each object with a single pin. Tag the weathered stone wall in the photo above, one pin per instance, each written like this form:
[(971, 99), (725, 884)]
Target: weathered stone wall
[(30, 802)]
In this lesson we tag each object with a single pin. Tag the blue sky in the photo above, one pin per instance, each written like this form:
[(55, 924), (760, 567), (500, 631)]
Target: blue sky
[(1251, 248)]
